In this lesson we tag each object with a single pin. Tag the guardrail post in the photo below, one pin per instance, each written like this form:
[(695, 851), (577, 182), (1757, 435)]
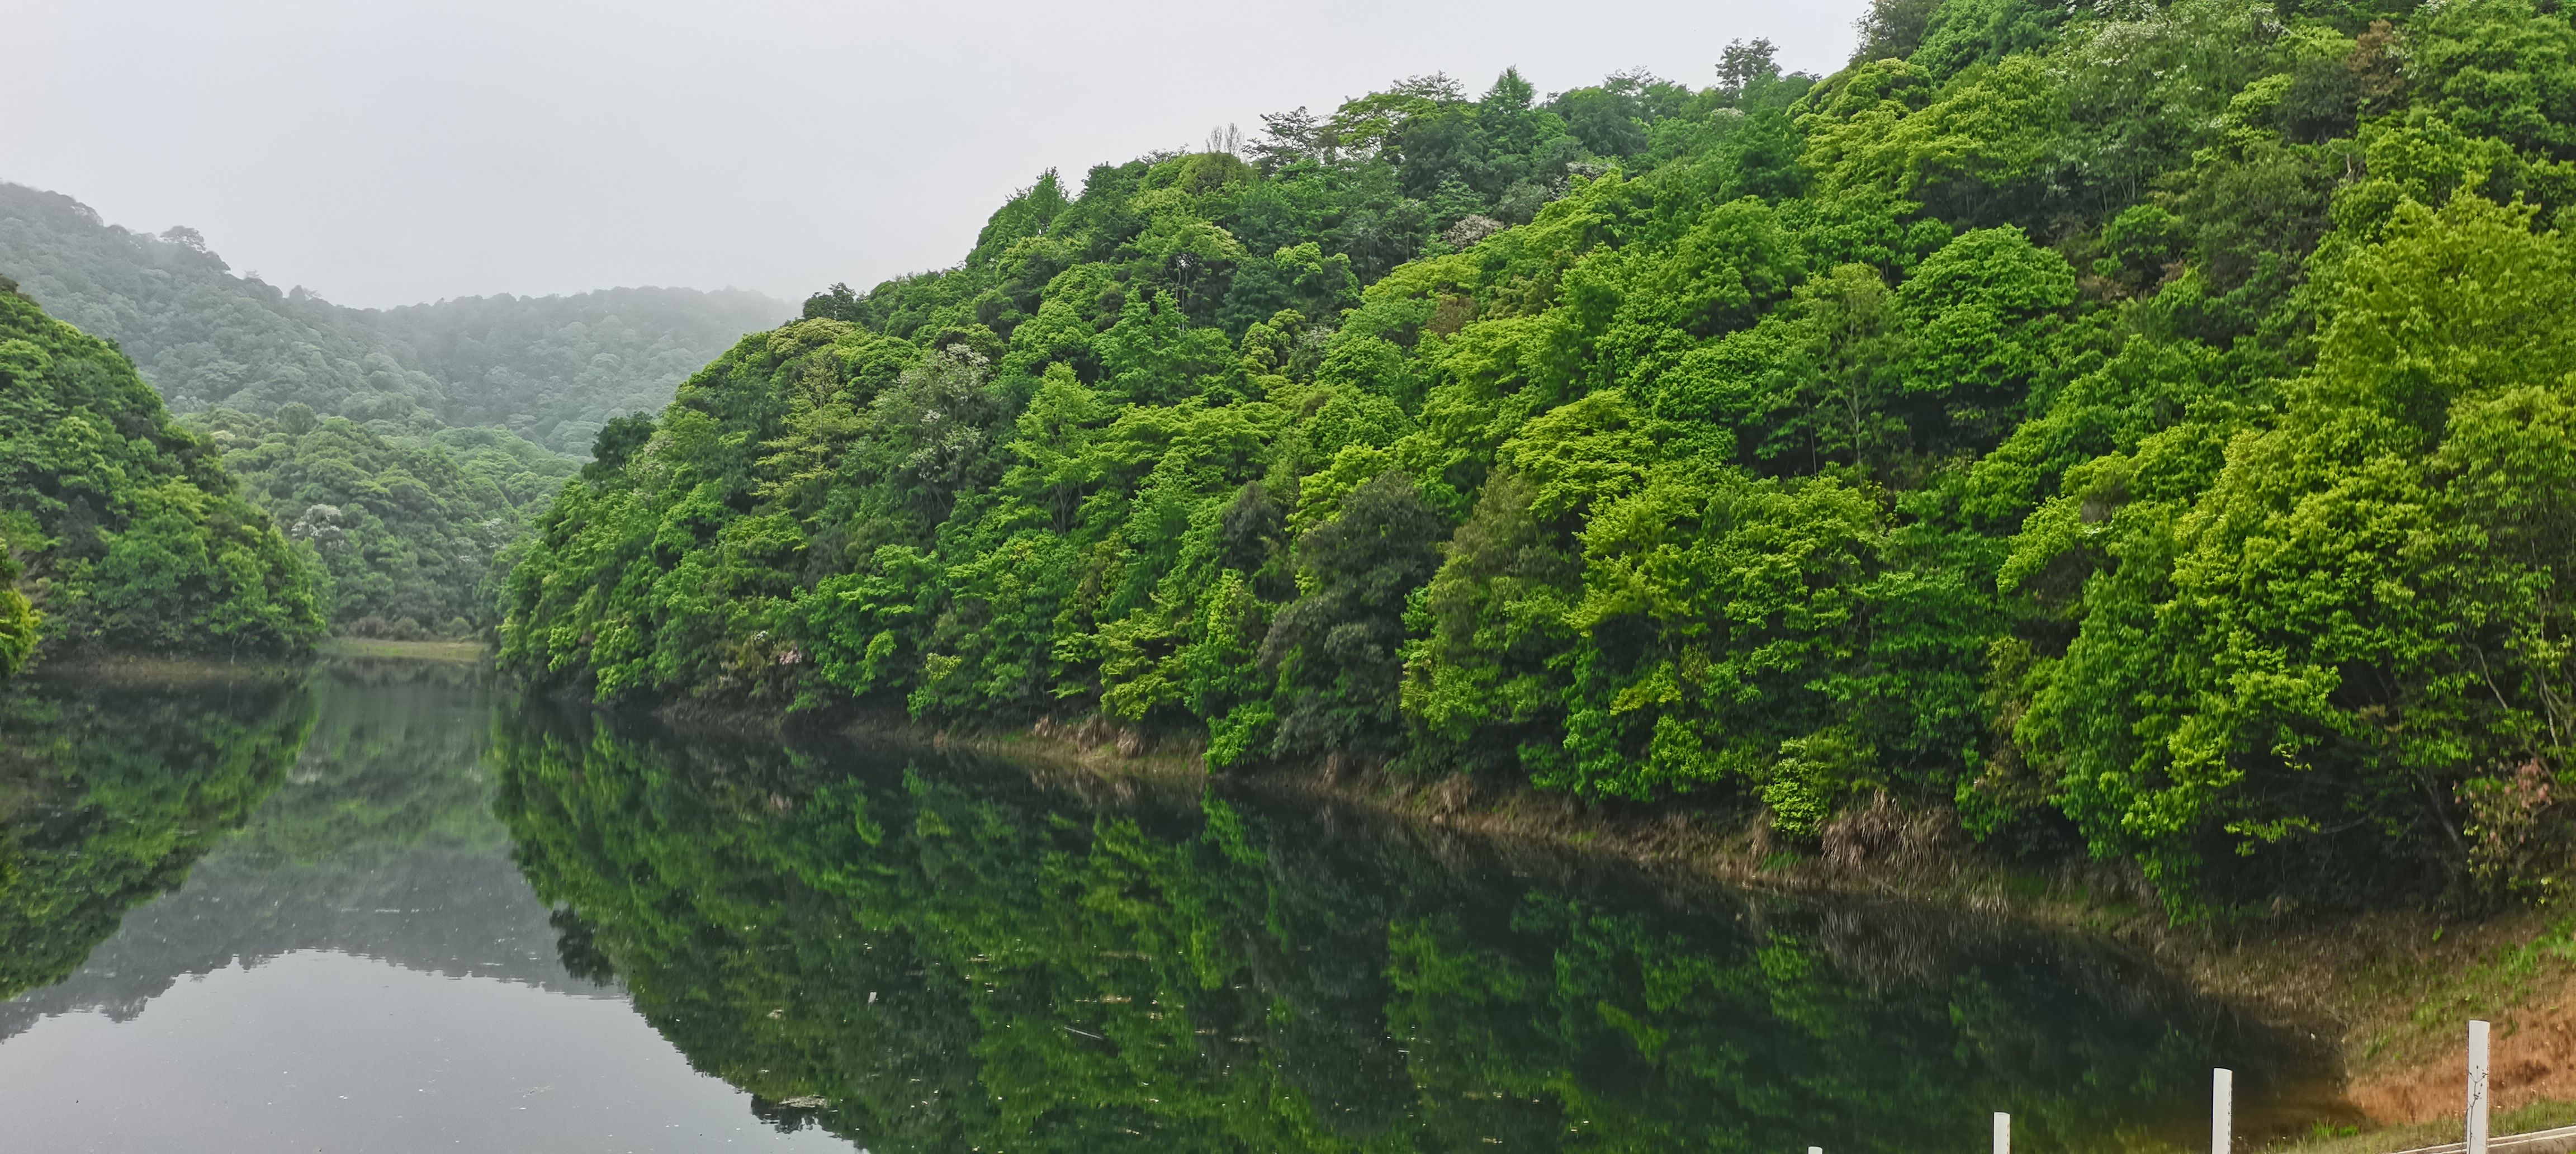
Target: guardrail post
[(2003, 1133), (2222, 1110), (2477, 1142)]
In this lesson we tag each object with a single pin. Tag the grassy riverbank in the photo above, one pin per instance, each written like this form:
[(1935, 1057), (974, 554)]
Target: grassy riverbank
[(2417, 1135), (412, 650)]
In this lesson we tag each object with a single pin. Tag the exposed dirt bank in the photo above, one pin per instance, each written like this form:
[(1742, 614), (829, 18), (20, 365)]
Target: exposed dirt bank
[(2535, 1061)]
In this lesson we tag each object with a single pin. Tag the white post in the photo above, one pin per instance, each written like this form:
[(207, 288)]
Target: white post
[(2003, 1133), (1815, 1150), (2477, 1087), (2222, 1110)]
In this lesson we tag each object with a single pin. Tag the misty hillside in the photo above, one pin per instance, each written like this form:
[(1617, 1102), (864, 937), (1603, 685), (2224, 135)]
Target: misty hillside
[(406, 446), (550, 369), (2142, 430)]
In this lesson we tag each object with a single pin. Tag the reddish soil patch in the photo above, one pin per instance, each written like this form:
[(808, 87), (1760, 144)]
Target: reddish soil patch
[(2534, 1061)]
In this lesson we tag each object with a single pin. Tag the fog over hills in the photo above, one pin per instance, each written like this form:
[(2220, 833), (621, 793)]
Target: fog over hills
[(406, 445), (549, 369)]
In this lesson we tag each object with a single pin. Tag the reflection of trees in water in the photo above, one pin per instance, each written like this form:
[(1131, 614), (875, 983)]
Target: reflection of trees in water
[(394, 765), (380, 843), (111, 790), (944, 955)]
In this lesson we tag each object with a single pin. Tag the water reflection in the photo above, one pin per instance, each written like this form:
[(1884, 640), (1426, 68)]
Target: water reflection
[(418, 915), (379, 844), (352, 963), (111, 787), (918, 952)]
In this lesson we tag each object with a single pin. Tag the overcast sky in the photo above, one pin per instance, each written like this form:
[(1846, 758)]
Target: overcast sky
[(387, 153)]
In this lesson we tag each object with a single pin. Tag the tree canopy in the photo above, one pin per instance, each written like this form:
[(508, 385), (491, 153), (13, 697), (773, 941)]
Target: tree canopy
[(409, 528), (550, 369), (408, 444), (2136, 428), (123, 529)]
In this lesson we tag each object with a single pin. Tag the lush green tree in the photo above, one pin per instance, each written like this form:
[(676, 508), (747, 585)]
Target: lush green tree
[(2356, 636), (2045, 417), (130, 529), (19, 625), (407, 527), (1335, 648)]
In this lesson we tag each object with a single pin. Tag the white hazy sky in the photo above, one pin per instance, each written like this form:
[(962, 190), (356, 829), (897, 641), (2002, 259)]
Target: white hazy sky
[(383, 152)]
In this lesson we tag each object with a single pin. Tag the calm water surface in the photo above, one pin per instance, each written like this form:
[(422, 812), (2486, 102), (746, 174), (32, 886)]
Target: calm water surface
[(386, 907)]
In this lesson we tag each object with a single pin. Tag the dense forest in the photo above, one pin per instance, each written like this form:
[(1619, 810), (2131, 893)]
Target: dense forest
[(2143, 428), (550, 369), (409, 527), (408, 445), (121, 529), (557, 369)]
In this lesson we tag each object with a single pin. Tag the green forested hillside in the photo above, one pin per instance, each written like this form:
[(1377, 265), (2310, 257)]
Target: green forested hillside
[(557, 369), (550, 369), (409, 444), (201, 334), (408, 526), (2143, 428), (124, 530)]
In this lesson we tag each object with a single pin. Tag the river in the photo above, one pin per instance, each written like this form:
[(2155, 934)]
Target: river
[(390, 906)]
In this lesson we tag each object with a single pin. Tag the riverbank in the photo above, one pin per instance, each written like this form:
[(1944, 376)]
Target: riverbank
[(141, 669), (2440, 1132)]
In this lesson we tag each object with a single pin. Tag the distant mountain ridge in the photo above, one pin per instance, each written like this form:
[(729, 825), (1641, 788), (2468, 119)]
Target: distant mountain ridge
[(405, 445), (557, 368), (551, 369)]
